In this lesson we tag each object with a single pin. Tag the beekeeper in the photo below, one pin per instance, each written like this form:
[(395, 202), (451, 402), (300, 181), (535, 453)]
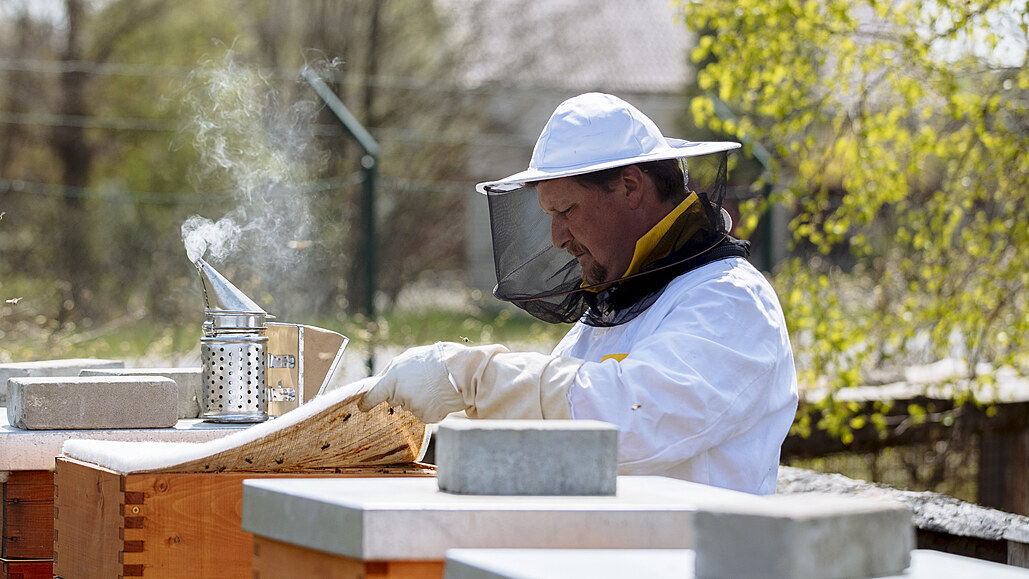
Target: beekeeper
[(677, 339)]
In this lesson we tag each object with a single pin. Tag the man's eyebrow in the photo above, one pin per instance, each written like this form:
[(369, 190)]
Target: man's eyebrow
[(555, 210)]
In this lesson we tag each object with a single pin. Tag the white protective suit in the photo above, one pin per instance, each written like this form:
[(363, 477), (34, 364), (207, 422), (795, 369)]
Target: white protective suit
[(701, 385)]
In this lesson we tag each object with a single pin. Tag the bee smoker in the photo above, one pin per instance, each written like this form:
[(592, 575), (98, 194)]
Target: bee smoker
[(232, 352), (242, 354)]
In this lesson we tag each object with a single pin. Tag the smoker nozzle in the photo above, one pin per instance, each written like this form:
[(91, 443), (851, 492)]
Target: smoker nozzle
[(220, 295)]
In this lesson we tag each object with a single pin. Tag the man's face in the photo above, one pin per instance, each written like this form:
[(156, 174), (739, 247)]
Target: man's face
[(589, 223)]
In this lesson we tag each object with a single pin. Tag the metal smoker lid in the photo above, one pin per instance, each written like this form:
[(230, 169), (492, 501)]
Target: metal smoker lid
[(221, 296)]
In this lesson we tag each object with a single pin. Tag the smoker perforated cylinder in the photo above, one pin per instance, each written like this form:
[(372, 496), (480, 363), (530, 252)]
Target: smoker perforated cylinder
[(234, 378), (232, 351)]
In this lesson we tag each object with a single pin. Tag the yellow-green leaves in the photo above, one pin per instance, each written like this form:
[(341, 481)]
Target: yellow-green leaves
[(900, 131)]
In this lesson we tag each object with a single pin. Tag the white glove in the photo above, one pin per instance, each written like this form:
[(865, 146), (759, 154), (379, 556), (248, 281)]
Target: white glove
[(488, 382)]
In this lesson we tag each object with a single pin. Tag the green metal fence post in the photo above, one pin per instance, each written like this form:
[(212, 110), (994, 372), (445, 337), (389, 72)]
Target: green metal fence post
[(369, 170)]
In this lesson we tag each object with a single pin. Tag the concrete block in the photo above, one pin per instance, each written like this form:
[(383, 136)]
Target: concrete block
[(189, 381), (811, 536), (49, 369), (36, 449), (668, 564), (527, 457), (410, 519), (554, 563), (100, 402)]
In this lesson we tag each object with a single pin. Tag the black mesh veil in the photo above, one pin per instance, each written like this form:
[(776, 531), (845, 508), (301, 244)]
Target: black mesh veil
[(547, 282)]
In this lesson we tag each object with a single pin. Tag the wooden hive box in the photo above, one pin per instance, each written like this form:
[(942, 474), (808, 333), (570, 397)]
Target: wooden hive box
[(277, 559), (175, 510), (110, 524), (26, 521)]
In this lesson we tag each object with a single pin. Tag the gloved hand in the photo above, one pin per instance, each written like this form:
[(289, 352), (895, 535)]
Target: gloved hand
[(488, 382)]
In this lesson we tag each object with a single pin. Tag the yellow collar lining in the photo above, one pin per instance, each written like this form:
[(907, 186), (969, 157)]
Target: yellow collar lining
[(646, 244)]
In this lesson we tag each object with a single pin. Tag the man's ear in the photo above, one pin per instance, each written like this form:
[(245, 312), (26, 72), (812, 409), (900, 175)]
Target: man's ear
[(634, 181)]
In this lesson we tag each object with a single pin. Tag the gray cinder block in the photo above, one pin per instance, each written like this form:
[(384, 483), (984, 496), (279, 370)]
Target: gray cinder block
[(553, 563), (811, 536), (189, 381), (103, 402), (49, 369), (527, 457)]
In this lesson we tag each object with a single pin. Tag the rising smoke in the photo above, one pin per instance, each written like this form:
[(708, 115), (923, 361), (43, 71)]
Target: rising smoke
[(260, 154), (205, 238)]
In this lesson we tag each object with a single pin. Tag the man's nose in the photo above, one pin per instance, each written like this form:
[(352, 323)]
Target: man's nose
[(559, 234)]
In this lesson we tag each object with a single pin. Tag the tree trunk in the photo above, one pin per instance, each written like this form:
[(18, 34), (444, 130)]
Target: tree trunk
[(76, 156)]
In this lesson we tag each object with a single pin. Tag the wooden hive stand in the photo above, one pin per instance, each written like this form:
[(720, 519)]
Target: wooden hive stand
[(27, 524)]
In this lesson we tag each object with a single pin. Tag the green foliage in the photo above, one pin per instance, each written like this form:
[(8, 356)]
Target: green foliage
[(192, 108), (899, 132), (29, 329), (29, 334), (414, 328)]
